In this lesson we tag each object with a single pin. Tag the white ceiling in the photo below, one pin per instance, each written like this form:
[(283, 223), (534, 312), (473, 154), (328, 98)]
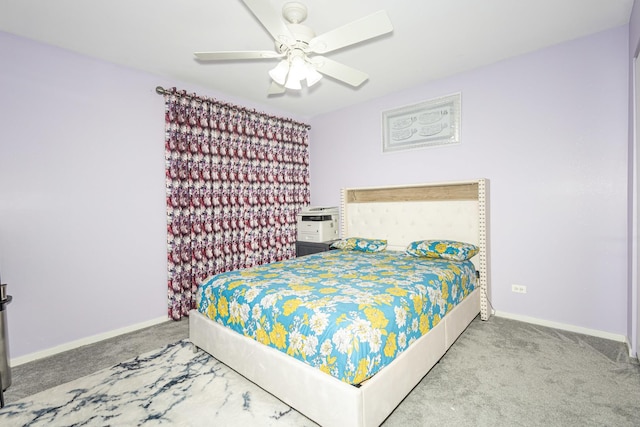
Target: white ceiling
[(431, 39)]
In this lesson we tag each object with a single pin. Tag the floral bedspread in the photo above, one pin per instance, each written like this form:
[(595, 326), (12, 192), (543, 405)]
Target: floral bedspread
[(346, 313)]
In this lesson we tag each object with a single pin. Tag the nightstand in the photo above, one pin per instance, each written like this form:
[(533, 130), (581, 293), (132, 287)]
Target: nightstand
[(308, 248)]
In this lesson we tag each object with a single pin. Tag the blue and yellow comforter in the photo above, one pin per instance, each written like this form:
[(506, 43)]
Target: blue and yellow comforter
[(346, 313)]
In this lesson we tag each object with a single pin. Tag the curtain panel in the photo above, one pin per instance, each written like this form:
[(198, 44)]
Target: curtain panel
[(235, 180)]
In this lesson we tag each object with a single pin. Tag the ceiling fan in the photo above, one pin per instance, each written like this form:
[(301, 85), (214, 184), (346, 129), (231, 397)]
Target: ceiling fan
[(299, 49)]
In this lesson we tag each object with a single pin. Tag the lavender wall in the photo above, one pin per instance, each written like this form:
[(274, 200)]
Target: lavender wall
[(549, 130), (82, 203)]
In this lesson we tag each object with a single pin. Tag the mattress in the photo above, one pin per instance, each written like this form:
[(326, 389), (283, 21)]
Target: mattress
[(346, 313)]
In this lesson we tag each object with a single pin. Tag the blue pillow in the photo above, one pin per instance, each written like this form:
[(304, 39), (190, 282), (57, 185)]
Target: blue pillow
[(442, 249), (360, 244)]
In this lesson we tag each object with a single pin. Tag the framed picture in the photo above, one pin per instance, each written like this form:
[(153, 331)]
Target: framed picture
[(430, 123)]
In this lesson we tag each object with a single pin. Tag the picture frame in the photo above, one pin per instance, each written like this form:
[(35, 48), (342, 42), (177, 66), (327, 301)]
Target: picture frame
[(427, 124)]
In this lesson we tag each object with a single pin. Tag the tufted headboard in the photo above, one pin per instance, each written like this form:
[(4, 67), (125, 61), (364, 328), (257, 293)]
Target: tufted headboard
[(403, 214)]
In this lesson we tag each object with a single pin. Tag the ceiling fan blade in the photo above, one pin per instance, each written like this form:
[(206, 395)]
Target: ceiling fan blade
[(276, 89), (247, 54), (339, 71), (357, 31), (270, 20)]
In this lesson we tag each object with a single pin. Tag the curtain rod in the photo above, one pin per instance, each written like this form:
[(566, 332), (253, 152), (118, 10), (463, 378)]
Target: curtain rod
[(162, 91)]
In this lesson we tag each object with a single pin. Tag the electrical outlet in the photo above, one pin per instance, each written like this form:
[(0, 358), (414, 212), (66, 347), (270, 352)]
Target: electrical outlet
[(519, 289)]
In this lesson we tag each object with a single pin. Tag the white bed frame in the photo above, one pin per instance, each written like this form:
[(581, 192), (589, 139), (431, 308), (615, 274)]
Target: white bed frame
[(400, 214)]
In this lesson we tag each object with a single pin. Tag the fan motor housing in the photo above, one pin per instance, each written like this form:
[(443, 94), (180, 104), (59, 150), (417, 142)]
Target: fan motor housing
[(301, 32)]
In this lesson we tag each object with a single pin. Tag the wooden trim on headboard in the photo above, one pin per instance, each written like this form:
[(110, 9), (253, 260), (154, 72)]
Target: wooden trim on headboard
[(461, 191)]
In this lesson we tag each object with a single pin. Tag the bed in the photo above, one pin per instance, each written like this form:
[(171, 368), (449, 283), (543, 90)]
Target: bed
[(455, 211)]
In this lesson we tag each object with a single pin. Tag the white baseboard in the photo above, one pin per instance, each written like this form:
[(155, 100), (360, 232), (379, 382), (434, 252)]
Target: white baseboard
[(563, 326), (84, 341)]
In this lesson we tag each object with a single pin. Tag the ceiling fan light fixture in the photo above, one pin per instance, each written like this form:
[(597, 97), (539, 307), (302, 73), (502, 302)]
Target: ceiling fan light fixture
[(297, 72), (293, 83), (279, 72), (313, 76), (298, 68)]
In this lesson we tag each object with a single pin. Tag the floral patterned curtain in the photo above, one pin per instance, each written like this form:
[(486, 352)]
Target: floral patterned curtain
[(235, 179)]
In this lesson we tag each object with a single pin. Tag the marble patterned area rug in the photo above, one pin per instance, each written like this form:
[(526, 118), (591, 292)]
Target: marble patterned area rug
[(171, 387)]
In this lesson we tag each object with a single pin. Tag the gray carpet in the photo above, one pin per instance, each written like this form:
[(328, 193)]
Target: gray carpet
[(508, 373), (499, 373)]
